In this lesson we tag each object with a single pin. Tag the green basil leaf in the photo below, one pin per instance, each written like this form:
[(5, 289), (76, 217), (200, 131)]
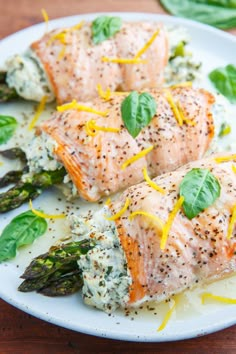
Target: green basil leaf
[(200, 188), (22, 230), (7, 128), (224, 79), (218, 13), (137, 110), (105, 27)]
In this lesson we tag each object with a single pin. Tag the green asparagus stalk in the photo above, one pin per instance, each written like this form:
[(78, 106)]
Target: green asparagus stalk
[(13, 176), (3, 76), (56, 272), (67, 285), (6, 93), (31, 188), (13, 154)]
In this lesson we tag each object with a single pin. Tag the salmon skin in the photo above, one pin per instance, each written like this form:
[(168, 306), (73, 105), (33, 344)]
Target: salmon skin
[(197, 251), (74, 64), (94, 163)]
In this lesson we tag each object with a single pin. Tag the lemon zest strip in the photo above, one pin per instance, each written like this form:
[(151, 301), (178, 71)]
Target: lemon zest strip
[(231, 223), (94, 126), (89, 129), (174, 107), (45, 17), (136, 157), (182, 84), (167, 316), (151, 183), (169, 222), (108, 201), (223, 299), (234, 168), (75, 105), (225, 158), (147, 45), (43, 215), (106, 95), (149, 215), (120, 213), (124, 60), (184, 119), (39, 110)]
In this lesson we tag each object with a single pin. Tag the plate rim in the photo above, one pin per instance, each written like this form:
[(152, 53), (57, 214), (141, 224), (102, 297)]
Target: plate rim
[(220, 324)]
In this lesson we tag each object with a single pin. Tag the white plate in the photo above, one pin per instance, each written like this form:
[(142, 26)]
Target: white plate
[(214, 48)]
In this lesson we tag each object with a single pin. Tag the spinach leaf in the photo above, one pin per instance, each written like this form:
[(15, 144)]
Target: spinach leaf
[(218, 13), (22, 230), (105, 27), (200, 188), (224, 79), (137, 111), (7, 128)]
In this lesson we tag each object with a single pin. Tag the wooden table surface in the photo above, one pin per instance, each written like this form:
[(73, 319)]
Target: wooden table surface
[(21, 333)]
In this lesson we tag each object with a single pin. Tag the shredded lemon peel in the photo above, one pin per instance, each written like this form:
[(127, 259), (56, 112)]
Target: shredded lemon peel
[(43, 215), (61, 37), (136, 157), (225, 158), (147, 45), (223, 299), (174, 108), (149, 215), (182, 84), (124, 60), (92, 128), (167, 316), (169, 222), (120, 213), (108, 201), (234, 168), (151, 183), (136, 59), (106, 95), (39, 110), (231, 223), (45, 17), (75, 105)]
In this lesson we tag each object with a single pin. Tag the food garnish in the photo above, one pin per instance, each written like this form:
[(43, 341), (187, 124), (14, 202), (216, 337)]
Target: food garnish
[(137, 110), (136, 157), (224, 80), (200, 188), (22, 230), (8, 126), (40, 108), (105, 27)]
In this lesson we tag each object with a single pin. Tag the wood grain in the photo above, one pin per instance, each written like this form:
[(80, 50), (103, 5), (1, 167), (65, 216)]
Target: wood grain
[(21, 333)]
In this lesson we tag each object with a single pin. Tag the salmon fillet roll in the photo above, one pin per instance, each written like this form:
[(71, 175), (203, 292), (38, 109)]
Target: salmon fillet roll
[(130, 264), (66, 64), (103, 158)]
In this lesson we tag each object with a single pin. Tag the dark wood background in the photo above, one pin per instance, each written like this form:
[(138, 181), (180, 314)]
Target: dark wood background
[(21, 333)]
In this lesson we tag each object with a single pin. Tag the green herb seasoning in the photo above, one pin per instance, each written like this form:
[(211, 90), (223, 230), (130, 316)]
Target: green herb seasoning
[(200, 188), (22, 230), (105, 27), (224, 79), (137, 110), (8, 126)]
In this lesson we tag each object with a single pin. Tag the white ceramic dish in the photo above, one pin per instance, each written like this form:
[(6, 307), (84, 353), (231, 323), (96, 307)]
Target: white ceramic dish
[(214, 48)]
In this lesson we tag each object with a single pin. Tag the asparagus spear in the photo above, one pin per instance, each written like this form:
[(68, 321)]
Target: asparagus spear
[(13, 176), (31, 188), (56, 272), (6, 93), (13, 154)]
